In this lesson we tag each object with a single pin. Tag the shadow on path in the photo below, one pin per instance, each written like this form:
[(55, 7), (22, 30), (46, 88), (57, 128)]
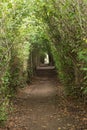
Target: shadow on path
[(42, 106)]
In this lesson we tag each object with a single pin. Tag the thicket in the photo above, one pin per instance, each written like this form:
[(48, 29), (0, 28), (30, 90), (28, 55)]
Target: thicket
[(14, 50), (55, 26), (66, 27)]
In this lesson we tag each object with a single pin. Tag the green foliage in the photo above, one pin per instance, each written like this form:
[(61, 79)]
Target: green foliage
[(4, 110), (28, 28), (65, 23), (14, 50), (4, 97)]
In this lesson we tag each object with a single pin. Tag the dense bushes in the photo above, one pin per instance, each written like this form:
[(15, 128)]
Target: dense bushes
[(65, 23), (14, 51), (58, 27)]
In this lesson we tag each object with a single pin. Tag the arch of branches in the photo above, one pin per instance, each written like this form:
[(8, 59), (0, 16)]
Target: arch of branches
[(55, 27)]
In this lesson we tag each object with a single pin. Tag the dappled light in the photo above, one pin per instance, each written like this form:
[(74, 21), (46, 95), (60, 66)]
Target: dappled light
[(43, 64)]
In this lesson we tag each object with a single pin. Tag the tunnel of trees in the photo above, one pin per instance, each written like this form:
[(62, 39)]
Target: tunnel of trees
[(30, 29)]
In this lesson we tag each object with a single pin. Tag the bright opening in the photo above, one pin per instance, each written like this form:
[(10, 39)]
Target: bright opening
[(46, 59)]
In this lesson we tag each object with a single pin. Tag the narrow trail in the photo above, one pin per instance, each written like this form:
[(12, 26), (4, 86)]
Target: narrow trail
[(41, 106)]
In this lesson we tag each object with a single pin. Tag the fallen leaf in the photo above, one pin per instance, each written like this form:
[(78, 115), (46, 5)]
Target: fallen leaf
[(44, 126)]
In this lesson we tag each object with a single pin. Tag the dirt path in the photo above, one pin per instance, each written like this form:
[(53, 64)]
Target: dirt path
[(41, 106)]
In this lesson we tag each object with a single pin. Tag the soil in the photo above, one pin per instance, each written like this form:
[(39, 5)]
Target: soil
[(43, 106)]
